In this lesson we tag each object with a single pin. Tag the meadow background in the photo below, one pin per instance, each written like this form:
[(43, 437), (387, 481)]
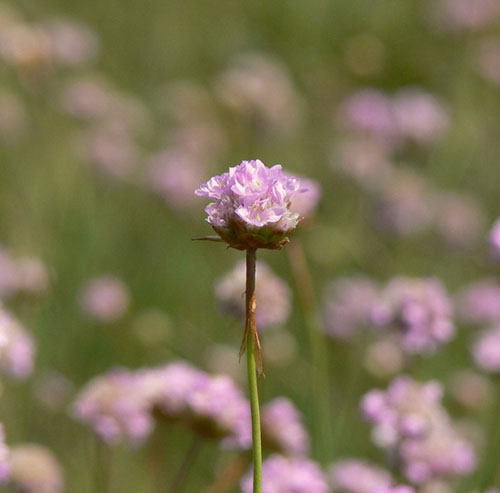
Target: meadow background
[(61, 207)]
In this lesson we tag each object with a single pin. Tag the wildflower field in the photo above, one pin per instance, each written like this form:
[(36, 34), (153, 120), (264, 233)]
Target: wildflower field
[(338, 166)]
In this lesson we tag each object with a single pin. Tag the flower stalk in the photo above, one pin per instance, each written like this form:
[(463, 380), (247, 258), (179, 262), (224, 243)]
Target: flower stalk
[(253, 348)]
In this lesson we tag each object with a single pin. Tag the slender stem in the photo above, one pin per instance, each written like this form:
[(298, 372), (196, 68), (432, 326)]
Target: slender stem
[(320, 388), (103, 466), (491, 453), (187, 463), (252, 370), (230, 474)]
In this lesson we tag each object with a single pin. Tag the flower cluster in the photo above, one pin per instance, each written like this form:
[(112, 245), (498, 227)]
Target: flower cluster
[(288, 474), (123, 405), (412, 424), (17, 348), (112, 405), (417, 309), (251, 207), (273, 295)]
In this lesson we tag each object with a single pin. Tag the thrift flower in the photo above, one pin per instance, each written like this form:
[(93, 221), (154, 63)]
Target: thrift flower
[(114, 407), (251, 205), (413, 426), (419, 310)]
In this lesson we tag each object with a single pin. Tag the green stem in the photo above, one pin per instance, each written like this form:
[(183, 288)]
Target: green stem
[(187, 463), (252, 371), (103, 466), (320, 388), (491, 453)]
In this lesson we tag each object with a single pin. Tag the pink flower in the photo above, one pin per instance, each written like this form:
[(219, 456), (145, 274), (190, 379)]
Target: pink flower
[(251, 207)]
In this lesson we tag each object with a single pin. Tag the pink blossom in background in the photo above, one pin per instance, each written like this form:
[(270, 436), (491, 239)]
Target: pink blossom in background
[(259, 88), (385, 357), (471, 390), (32, 276), (306, 203), (407, 409), (8, 274), (283, 429), (105, 298), (419, 115), (458, 219), (35, 469), (87, 97), (25, 47), (441, 454), (71, 43), (367, 161), (369, 111), (487, 59), (22, 275), (273, 295), (419, 311), (196, 128), (486, 350), (358, 476), (52, 390), (110, 150), (114, 407), (396, 489), (173, 174), (4, 457), (281, 474), (494, 240), (212, 405), (411, 423), (348, 304), (403, 205), (14, 119), (17, 348), (467, 14), (478, 303)]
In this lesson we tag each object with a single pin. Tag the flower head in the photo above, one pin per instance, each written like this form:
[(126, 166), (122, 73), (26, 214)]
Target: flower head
[(251, 205), (418, 309)]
